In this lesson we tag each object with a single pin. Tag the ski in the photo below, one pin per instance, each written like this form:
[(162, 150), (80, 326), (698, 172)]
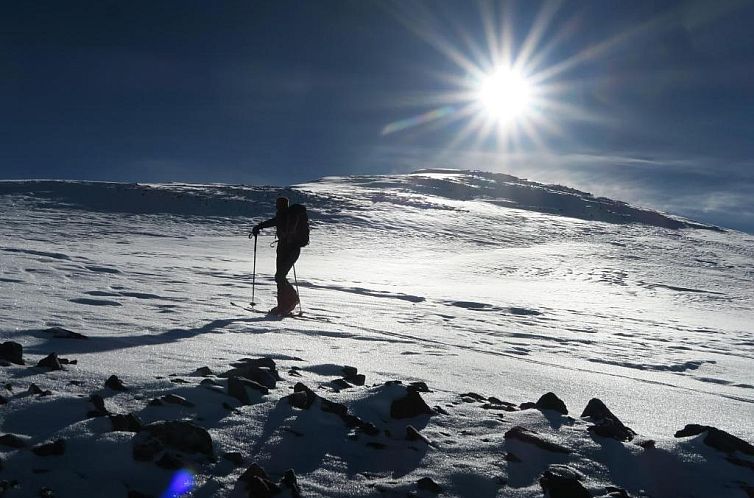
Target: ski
[(274, 316)]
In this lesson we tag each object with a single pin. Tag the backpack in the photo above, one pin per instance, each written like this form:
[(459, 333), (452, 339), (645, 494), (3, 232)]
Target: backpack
[(297, 225)]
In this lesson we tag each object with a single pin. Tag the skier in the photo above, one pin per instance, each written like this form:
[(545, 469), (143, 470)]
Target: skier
[(292, 229)]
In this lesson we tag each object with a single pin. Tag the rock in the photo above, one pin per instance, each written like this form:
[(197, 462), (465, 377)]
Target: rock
[(202, 372), (155, 402), (12, 441), (137, 494), (531, 437), (174, 399), (302, 397), (289, 481), (126, 423), (605, 423), (179, 381), (50, 362), (169, 461), (339, 384), (427, 484), (350, 371), (511, 457), (46, 493), (496, 406), (718, 439), (647, 444), (12, 352), (614, 492), (558, 486), (474, 396), (178, 435), (368, 428), (261, 370), (35, 389), (331, 407), (356, 380), (61, 333), (258, 483), (294, 373), (209, 382), (237, 387), (99, 406), (235, 457), (419, 386), (114, 383), (550, 401), (411, 405), (49, 449), (412, 434)]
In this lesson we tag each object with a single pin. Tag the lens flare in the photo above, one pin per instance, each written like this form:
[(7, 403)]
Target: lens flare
[(181, 484)]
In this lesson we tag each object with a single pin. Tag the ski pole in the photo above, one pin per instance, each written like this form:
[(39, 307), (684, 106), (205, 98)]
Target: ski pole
[(300, 310), (254, 274)]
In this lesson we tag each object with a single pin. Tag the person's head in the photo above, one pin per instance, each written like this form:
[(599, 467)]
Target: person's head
[(281, 203)]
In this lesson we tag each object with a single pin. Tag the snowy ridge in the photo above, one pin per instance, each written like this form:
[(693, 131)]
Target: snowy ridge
[(479, 292)]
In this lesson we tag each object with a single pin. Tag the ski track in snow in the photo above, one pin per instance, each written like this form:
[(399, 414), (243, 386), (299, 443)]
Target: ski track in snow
[(405, 284)]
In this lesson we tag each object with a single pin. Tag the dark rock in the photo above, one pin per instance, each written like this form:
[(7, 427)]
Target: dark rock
[(411, 405), (440, 410), (289, 481), (340, 384), (302, 397), (428, 484), (234, 457), (178, 435), (350, 371), (294, 373), (12, 352), (46, 493), (174, 399), (605, 423), (50, 362), (137, 494), (511, 457), (495, 406), (648, 444), (237, 388), (179, 381), (61, 333), (261, 370), (146, 450), (169, 461), (531, 437), (558, 486), (412, 434), (156, 402), (126, 423), (209, 382), (419, 386), (718, 439), (202, 372), (368, 428), (614, 492), (356, 380), (35, 389), (114, 383), (474, 396), (550, 401), (12, 441), (54, 448), (258, 483), (99, 406), (527, 405), (332, 407)]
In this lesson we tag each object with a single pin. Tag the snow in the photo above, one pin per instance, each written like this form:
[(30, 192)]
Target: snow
[(468, 281)]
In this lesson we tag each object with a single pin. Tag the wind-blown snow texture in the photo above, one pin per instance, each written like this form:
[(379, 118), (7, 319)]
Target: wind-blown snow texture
[(468, 281)]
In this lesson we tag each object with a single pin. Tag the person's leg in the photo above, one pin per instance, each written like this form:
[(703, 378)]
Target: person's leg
[(286, 257)]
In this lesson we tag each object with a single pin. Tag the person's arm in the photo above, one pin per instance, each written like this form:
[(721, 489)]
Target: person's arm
[(265, 224)]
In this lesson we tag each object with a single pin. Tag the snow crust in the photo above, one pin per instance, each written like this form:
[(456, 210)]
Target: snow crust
[(468, 281)]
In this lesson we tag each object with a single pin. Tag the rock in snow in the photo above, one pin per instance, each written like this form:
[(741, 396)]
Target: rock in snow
[(560, 486), (717, 439), (411, 405), (12, 352), (550, 401), (605, 423)]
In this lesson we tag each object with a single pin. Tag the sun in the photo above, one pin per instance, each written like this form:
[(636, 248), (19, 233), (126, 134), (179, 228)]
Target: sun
[(504, 95)]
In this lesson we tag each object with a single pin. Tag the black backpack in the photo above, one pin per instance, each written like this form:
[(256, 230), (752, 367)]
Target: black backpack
[(297, 225)]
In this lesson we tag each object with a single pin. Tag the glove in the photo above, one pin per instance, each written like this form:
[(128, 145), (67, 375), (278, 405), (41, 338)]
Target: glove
[(255, 230)]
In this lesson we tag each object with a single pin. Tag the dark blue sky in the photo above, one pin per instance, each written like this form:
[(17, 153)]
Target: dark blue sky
[(654, 105)]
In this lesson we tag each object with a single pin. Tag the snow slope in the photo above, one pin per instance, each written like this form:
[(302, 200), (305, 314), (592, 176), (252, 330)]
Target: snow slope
[(468, 281)]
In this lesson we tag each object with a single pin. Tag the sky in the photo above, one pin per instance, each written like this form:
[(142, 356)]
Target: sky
[(650, 102)]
